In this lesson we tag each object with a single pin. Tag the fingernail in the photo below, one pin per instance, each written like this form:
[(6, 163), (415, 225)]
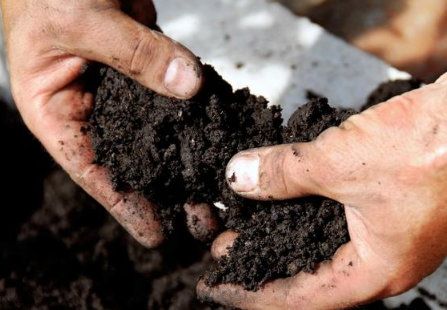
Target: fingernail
[(243, 173), (182, 78)]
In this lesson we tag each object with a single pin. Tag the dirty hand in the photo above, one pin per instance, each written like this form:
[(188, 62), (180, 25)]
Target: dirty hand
[(388, 166), (48, 43)]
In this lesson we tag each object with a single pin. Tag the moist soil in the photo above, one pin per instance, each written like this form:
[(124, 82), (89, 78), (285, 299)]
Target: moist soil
[(59, 249), (388, 90), (175, 151)]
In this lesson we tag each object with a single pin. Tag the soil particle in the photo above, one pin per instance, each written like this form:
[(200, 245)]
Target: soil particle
[(239, 65), (233, 178)]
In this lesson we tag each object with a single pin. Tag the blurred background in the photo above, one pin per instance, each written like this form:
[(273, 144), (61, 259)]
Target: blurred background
[(411, 35)]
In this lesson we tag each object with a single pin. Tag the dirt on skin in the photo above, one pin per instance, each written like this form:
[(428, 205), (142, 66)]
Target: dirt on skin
[(172, 151), (175, 151), (70, 254), (59, 249)]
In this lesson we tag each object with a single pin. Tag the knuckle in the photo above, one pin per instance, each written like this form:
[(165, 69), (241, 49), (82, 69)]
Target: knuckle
[(331, 157), (276, 172), (144, 53), (399, 109), (326, 138), (404, 101)]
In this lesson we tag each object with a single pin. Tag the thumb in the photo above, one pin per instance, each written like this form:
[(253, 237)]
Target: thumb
[(152, 59), (278, 172)]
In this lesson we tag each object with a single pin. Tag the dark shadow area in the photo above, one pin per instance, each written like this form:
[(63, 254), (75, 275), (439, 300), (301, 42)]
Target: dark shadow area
[(59, 249), (25, 163)]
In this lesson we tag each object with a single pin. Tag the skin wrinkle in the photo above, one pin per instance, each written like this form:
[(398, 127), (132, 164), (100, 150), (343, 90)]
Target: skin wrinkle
[(135, 56)]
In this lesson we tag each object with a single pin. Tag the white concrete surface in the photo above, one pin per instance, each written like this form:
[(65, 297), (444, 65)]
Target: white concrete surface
[(282, 56)]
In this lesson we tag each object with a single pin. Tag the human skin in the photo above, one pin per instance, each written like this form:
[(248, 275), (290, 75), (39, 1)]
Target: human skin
[(48, 42), (388, 166)]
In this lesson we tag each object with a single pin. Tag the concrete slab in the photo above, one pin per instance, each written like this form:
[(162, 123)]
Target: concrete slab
[(264, 46)]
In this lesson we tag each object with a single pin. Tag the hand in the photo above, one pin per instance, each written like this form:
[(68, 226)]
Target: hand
[(388, 166), (48, 42)]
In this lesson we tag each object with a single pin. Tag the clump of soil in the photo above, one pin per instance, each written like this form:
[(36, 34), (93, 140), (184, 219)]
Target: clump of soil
[(172, 151), (279, 239), (388, 90), (63, 251)]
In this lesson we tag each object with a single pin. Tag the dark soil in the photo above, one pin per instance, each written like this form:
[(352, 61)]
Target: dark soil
[(60, 250), (279, 239), (23, 162), (173, 151), (388, 90), (73, 255)]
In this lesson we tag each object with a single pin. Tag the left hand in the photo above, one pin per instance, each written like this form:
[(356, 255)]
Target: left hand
[(48, 43)]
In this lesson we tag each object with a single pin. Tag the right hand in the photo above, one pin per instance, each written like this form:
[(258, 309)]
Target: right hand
[(48, 42), (388, 166)]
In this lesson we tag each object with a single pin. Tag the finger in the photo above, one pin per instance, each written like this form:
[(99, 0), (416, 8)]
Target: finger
[(279, 172), (343, 283), (202, 223), (223, 243), (145, 55), (60, 127)]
